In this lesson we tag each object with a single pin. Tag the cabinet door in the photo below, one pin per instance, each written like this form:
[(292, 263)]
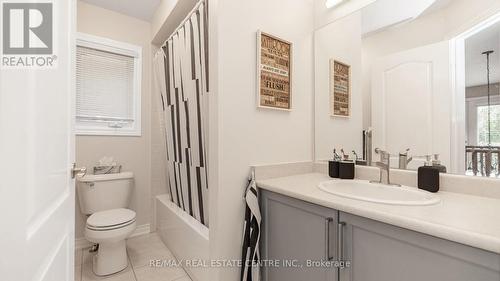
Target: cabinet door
[(381, 252), (297, 232)]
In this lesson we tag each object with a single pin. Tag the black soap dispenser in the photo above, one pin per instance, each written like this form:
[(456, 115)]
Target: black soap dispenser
[(428, 175), (347, 167), (334, 165)]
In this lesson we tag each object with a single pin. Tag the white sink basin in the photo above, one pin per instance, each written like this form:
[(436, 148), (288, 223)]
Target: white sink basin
[(379, 193)]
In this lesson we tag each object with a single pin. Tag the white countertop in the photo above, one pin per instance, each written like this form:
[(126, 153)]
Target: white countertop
[(465, 219)]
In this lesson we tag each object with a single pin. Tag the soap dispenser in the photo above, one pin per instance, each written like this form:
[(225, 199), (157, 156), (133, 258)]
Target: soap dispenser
[(334, 165), (428, 175), (437, 164), (346, 167)]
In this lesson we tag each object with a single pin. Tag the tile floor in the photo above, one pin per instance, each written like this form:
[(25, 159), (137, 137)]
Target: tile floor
[(140, 251)]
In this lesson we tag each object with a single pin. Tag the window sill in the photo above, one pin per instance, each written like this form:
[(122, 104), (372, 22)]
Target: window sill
[(121, 133)]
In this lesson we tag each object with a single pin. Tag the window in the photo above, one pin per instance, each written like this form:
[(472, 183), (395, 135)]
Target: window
[(108, 87), (482, 125)]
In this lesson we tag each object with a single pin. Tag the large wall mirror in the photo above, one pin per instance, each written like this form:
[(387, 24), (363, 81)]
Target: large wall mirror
[(419, 79)]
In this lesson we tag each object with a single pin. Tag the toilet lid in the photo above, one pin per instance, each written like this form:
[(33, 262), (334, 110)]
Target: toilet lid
[(110, 218)]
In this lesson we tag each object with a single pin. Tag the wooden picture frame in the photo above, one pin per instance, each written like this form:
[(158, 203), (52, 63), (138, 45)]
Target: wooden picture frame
[(274, 72), (340, 89)]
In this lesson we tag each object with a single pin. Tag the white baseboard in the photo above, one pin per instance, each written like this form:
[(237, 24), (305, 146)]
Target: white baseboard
[(82, 243), (141, 230)]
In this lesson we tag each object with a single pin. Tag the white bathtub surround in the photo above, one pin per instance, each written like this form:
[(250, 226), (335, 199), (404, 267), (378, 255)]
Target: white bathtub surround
[(185, 236), (141, 250), (469, 212)]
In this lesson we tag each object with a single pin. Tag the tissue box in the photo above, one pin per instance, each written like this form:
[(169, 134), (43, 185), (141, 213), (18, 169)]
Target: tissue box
[(100, 170)]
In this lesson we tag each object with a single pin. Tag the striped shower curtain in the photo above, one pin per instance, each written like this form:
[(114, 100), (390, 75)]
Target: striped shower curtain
[(181, 74)]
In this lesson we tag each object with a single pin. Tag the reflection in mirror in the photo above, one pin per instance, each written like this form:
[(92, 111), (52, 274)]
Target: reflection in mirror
[(416, 80), (482, 98)]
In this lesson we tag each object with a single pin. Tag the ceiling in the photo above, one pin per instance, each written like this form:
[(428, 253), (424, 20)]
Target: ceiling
[(141, 9), (475, 61), (438, 5)]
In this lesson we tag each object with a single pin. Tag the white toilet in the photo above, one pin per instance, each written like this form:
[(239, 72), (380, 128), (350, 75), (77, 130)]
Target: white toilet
[(105, 198)]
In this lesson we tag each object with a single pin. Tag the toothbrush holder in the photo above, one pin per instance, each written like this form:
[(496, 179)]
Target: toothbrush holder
[(333, 169), (347, 170)]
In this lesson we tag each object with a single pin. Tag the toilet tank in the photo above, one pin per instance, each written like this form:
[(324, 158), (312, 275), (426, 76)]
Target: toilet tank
[(104, 192)]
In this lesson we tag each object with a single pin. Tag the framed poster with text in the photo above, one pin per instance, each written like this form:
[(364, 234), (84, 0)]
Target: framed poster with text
[(340, 89), (274, 72)]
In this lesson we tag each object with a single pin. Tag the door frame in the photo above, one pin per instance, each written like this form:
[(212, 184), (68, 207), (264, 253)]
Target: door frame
[(457, 72)]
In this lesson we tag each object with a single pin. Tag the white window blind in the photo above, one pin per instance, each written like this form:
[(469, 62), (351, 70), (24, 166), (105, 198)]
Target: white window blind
[(107, 87)]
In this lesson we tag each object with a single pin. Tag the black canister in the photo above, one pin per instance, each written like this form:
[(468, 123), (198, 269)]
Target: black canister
[(428, 178), (346, 170), (333, 169)]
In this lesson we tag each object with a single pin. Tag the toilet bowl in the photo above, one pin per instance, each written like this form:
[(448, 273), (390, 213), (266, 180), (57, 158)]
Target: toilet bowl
[(105, 199), (109, 229)]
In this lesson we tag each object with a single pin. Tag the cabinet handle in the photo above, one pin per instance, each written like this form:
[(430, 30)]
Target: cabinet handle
[(340, 241), (328, 222)]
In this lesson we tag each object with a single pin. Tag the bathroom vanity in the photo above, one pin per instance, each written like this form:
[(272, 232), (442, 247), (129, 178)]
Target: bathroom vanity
[(455, 239), (408, 103)]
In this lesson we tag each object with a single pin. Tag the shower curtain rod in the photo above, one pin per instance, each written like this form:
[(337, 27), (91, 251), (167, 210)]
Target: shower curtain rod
[(184, 21)]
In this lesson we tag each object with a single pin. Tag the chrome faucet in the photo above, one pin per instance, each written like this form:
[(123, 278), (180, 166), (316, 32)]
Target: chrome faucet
[(385, 166), (367, 146), (404, 160)]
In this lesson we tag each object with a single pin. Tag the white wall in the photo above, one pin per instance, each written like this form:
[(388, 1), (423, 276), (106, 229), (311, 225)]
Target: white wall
[(443, 24), (134, 153), (248, 135), (214, 147), (340, 40)]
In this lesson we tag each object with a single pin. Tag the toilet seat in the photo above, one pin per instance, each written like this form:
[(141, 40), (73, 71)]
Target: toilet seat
[(111, 219)]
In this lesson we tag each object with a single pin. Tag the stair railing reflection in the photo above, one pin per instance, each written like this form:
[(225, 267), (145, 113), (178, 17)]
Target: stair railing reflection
[(483, 160)]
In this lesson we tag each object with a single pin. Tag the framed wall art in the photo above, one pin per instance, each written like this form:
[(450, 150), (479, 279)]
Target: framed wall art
[(340, 89), (274, 72)]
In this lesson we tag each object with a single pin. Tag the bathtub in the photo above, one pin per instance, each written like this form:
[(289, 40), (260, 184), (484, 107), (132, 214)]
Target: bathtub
[(186, 237)]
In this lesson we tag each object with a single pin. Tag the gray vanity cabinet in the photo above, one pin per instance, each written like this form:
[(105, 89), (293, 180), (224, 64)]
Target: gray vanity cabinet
[(381, 252), (296, 231)]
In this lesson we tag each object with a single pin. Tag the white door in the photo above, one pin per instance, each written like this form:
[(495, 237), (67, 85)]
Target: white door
[(412, 102), (37, 194)]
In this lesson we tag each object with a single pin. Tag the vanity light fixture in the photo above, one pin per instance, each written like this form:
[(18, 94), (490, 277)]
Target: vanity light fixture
[(332, 3)]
